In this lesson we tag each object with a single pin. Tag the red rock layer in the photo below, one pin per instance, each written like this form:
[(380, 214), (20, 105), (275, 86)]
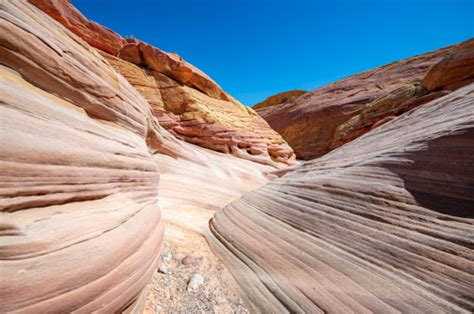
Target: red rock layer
[(80, 228), (450, 73), (309, 122), (94, 34), (382, 224), (453, 71), (187, 101)]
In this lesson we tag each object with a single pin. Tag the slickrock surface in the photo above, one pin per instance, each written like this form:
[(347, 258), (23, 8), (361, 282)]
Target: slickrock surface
[(384, 223), (279, 99), (309, 122), (186, 101), (80, 226)]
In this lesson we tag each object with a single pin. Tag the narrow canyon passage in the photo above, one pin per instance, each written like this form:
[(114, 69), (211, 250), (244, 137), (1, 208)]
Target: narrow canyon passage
[(187, 202), (130, 181)]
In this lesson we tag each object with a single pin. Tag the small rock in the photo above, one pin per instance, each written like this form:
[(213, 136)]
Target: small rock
[(192, 260), (164, 269), (195, 282), (158, 308), (166, 256)]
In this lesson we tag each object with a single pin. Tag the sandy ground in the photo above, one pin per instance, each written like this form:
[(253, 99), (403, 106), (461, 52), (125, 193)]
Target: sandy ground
[(184, 238)]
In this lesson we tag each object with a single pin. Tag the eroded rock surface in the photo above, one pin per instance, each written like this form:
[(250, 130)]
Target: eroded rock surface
[(309, 122), (186, 101), (81, 155), (80, 225), (384, 223), (453, 71)]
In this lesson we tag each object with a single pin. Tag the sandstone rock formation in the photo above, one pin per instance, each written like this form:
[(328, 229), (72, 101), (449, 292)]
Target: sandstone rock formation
[(309, 122), (186, 101), (279, 99), (95, 141), (81, 154), (384, 223), (453, 71), (94, 34), (382, 110), (80, 225)]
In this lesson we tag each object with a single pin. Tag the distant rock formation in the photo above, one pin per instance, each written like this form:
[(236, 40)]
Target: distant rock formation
[(382, 224), (186, 101), (278, 99), (454, 71), (310, 122)]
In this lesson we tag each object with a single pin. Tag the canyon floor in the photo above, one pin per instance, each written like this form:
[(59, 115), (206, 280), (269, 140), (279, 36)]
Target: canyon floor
[(185, 253)]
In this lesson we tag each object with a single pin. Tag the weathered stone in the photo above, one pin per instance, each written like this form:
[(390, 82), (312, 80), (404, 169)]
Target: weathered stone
[(195, 282)]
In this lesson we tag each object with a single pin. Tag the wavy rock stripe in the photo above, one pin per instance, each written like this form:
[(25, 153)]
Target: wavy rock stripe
[(382, 224), (308, 123), (80, 228)]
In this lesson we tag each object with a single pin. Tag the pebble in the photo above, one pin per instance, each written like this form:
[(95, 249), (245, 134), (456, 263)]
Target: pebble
[(166, 256), (192, 260), (158, 308), (195, 282), (164, 269)]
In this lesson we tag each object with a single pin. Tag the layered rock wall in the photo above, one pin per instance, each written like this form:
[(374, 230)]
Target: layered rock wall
[(80, 226), (187, 102), (382, 224), (310, 122)]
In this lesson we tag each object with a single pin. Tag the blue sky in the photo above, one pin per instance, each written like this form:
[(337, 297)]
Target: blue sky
[(258, 48)]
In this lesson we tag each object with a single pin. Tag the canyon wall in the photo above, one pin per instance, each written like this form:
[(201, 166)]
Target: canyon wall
[(384, 223), (81, 229), (84, 157), (186, 101), (97, 131), (319, 121)]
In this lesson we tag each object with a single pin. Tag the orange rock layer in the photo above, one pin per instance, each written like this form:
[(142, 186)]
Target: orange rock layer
[(187, 102)]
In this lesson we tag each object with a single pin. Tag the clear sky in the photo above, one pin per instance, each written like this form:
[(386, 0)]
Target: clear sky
[(258, 48)]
